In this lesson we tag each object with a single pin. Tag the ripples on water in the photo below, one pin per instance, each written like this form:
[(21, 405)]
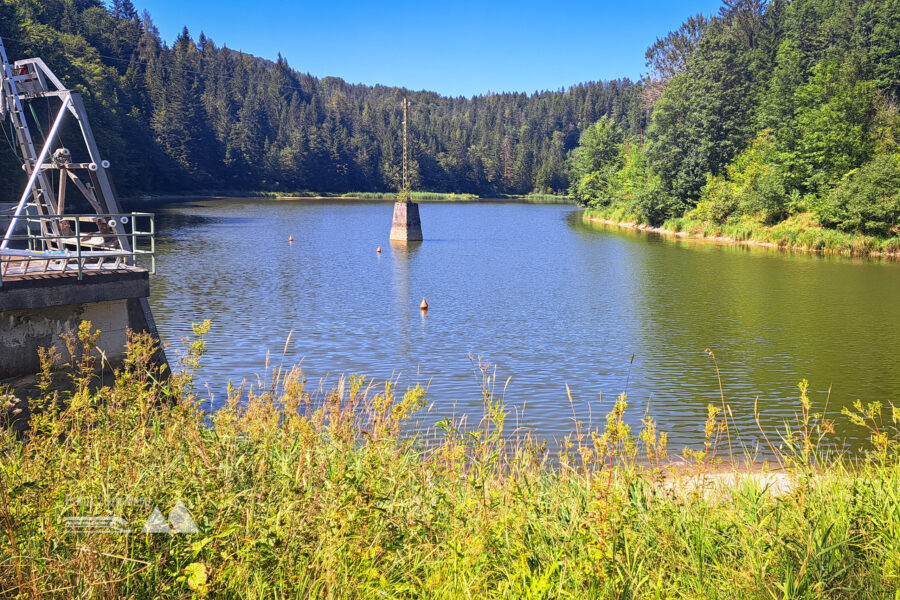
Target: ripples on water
[(544, 298)]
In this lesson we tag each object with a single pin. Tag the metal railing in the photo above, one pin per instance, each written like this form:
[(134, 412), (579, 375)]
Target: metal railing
[(76, 243)]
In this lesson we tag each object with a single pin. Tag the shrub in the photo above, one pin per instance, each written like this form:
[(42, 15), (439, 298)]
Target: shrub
[(753, 185), (717, 202), (867, 200)]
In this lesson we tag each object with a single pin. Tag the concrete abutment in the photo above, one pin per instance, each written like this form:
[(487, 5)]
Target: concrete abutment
[(36, 310)]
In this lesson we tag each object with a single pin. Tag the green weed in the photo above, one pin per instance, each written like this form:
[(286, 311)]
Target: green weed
[(297, 494)]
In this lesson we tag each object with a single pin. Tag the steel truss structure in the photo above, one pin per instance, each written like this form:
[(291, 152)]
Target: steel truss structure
[(39, 235)]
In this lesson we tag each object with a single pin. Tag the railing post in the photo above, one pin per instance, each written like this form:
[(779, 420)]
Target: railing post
[(153, 244), (78, 244), (37, 244), (133, 240)]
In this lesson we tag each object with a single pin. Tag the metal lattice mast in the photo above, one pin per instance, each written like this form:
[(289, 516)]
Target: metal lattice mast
[(405, 192)]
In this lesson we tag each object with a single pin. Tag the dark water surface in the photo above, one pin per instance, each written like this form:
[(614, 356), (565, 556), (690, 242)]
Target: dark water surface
[(531, 289)]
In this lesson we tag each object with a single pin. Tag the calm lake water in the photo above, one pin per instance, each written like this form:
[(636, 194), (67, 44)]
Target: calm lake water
[(542, 297)]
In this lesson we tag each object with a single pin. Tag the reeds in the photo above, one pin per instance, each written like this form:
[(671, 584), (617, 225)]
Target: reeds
[(327, 496)]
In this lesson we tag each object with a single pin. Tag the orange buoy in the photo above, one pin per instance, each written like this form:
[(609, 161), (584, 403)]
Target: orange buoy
[(291, 240), (424, 305), (378, 250)]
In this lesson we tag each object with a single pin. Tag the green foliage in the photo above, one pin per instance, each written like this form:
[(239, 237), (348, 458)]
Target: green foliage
[(606, 171), (596, 159), (801, 231), (867, 200), (639, 191), (668, 56), (831, 134), (769, 111), (621, 177), (879, 23), (705, 115), (752, 186), (333, 495)]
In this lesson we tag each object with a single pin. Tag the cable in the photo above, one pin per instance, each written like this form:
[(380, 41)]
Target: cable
[(8, 142), (37, 122)]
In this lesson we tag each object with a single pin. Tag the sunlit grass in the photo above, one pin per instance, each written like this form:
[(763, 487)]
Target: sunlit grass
[(537, 198), (804, 233), (301, 495), (799, 232)]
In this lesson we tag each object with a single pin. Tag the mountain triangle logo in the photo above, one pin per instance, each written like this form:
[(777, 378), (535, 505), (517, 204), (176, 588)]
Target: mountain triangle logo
[(180, 521)]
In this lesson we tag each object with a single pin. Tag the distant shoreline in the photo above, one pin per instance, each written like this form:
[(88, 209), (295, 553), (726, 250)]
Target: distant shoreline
[(358, 196)]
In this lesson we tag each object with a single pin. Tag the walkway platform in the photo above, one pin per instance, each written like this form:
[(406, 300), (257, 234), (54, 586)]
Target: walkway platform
[(57, 288)]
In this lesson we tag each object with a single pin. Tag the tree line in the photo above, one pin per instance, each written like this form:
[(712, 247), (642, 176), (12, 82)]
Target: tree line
[(197, 115)]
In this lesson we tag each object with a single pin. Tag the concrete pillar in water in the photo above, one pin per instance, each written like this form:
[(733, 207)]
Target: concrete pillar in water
[(406, 227)]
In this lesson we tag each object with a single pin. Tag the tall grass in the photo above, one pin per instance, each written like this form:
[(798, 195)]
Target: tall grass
[(300, 495), (798, 232)]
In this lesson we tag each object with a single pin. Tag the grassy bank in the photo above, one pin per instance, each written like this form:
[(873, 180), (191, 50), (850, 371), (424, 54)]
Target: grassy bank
[(299, 495), (450, 197), (799, 232), (546, 198)]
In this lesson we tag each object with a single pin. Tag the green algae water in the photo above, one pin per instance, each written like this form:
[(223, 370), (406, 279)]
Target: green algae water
[(543, 298)]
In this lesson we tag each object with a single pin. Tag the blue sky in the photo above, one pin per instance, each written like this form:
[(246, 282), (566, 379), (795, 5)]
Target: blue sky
[(454, 48)]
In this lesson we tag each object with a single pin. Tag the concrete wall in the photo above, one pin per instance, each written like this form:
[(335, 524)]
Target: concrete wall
[(22, 332), (34, 313)]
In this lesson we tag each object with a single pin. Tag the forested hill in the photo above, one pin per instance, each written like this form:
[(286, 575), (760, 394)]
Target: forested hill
[(779, 113), (198, 115)]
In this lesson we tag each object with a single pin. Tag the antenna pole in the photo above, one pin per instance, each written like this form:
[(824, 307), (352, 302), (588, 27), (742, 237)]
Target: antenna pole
[(405, 193)]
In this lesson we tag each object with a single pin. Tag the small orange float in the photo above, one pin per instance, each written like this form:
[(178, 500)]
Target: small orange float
[(424, 305)]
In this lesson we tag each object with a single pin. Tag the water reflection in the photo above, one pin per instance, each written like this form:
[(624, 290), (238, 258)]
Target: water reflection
[(402, 253), (545, 298)]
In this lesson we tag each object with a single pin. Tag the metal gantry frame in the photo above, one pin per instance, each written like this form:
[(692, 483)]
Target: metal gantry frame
[(76, 242)]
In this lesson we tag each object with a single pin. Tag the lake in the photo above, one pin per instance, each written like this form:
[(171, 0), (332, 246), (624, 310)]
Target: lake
[(544, 298)]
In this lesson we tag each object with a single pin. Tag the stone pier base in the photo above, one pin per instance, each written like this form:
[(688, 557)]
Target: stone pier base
[(406, 227)]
